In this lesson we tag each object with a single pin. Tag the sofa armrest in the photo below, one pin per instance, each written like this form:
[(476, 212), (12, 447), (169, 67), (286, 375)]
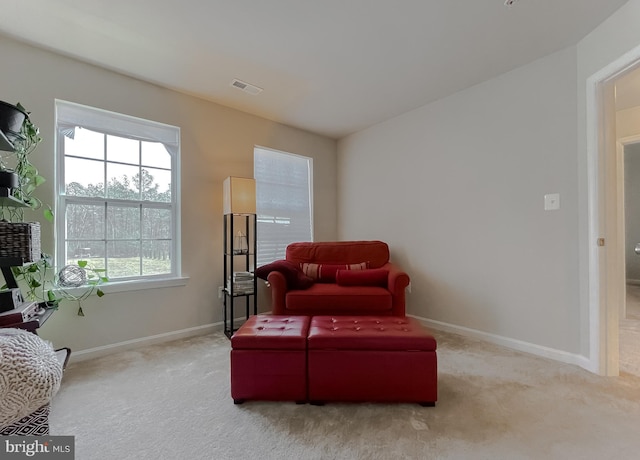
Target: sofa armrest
[(398, 280), (278, 284)]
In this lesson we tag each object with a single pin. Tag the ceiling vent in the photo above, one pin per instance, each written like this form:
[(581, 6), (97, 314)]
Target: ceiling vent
[(246, 87)]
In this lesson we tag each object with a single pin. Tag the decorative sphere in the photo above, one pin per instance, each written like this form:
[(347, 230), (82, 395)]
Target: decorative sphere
[(72, 276)]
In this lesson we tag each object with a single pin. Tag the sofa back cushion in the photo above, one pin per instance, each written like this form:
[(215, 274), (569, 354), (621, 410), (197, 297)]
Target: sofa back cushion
[(326, 273), (339, 252), (373, 277)]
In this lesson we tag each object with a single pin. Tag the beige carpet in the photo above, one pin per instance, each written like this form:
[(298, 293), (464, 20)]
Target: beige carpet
[(172, 401)]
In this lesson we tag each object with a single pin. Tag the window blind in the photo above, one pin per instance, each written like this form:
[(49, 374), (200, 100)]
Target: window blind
[(284, 202)]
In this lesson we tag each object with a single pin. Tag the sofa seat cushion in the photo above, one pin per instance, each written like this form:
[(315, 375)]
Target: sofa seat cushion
[(325, 297)]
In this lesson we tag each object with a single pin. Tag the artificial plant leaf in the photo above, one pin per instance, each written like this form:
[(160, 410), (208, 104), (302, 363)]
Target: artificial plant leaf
[(48, 214), (99, 293), (39, 180), (82, 263), (35, 203)]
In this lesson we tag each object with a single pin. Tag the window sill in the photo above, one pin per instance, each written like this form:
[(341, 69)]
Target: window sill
[(134, 285)]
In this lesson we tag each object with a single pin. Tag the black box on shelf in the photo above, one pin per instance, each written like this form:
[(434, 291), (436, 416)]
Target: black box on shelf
[(10, 299)]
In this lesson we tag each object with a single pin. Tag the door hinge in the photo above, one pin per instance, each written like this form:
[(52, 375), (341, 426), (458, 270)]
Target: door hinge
[(600, 241)]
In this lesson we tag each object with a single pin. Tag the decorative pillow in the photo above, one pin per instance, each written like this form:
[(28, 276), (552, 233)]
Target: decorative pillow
[(294, 276), (326, 273), (372, 277)]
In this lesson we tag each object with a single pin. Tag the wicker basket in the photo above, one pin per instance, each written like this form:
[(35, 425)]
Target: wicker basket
[(21, 239)]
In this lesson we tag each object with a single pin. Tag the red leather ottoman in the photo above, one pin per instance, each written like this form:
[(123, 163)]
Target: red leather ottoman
[(368, 358), (269, 359)]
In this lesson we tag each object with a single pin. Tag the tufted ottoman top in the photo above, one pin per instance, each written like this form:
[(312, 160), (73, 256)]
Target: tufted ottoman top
[(276, 332), (387, 333)]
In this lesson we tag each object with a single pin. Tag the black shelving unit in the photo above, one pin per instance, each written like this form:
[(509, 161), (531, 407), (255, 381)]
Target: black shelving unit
[(5, 143), (6, 199), (5, 264), (239, 259)]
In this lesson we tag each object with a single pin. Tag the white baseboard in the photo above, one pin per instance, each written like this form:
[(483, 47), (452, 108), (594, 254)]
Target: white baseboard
[(538, 350), (105, 350)]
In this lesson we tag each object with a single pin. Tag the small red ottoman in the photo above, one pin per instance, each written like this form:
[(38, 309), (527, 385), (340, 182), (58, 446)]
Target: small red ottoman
[(269, 359), (368, 358)]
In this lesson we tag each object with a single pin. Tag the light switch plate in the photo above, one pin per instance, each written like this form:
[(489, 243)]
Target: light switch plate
[(552, 202)]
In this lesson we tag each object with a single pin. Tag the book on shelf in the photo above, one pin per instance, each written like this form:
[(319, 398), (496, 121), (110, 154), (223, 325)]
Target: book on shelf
[(242, 283)]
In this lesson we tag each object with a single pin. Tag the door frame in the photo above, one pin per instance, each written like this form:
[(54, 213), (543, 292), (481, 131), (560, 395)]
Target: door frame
[(605, 206)]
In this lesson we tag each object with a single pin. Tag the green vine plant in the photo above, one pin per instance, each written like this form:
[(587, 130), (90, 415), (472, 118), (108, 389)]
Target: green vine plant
[(29, 179), (41, 284), (41, 281), (37, 277)]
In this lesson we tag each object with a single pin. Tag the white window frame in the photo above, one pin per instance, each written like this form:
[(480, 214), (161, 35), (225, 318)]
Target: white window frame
[(69, 115), (283, 219)]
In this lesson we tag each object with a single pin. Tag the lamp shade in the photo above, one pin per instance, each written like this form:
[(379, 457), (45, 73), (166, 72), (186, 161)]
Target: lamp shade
[(239, 195)]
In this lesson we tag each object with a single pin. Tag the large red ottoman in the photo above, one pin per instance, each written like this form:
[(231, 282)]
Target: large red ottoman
[(368, 358), (269, 359)]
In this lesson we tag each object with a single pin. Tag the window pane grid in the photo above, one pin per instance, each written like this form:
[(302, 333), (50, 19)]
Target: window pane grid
[(118, 198)]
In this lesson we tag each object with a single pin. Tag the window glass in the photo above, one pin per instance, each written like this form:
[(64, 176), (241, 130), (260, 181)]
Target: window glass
[(118, 206)]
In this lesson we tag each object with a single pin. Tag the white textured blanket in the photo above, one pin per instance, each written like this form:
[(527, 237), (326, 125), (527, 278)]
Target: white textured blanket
[(30, 374)]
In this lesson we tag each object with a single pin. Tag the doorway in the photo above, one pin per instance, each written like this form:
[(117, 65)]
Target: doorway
[(629, 321), (609, 133)]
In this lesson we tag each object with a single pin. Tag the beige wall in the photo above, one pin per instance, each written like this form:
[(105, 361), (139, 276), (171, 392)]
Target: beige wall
[(456, 187), (216, 142), (628, 123)]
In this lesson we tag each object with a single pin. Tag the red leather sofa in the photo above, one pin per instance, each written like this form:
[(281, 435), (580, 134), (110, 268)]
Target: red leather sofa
[(348, 278)]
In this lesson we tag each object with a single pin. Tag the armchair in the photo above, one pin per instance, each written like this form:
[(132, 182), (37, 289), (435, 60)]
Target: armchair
[(348, 278)]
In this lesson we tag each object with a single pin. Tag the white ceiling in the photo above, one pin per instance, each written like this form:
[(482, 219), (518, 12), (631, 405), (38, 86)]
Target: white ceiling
[(329, 66)]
